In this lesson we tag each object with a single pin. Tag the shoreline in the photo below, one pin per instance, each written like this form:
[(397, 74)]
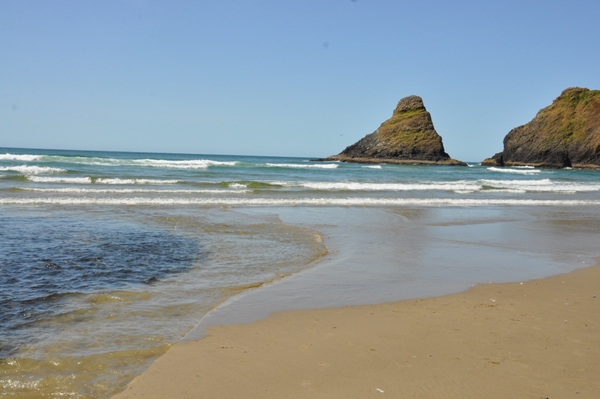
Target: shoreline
[(392, 161), (388, 256), (539, 338), (381, 255)]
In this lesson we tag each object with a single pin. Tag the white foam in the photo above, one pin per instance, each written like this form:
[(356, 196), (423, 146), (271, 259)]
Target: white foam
[(158, 163), (84, 160), (19, 157), (88, 180), (522, 170), (521, 183), (295, 202), (32, 170), (372, 166), (303, 166), (44, 179), (134, 181), (359, 186), (460, 186), (156, 181), (186, 164), (128, 191), (543, 185)]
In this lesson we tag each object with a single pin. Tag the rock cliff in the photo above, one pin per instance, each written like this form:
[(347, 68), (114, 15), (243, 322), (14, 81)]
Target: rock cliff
[(564, 134), (408, 137)]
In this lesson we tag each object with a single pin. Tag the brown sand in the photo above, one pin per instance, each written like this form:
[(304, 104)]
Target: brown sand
[(538, 339)]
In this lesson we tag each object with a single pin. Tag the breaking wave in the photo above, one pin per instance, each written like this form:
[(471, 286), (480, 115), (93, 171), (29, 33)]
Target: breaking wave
[(133, 181), (186, 164), (356, 201), (129, 191), (521, 170), (19, 157), (72, 180), (32, 170), (303, 166)]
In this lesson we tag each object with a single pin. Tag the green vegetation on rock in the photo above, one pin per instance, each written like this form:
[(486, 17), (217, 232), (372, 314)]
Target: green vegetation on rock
[(407, 137), (564, 134)]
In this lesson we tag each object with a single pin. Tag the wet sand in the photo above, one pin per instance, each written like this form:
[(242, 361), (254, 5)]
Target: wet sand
[(536, 339)]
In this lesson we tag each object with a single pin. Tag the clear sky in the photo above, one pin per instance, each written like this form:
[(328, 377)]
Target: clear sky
[(289, 78)]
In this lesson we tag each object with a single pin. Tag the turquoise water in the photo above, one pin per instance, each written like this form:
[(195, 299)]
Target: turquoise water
[(109, 178), (109, 258)]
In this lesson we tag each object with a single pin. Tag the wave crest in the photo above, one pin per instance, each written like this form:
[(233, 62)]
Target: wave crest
[(186, 164), (75, 180), (19, 157), (517, 170), (32, 170), (133, 181), (303, 166), (356, 201)]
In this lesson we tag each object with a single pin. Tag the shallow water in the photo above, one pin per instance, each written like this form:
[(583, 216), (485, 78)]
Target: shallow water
[(90, 297), (67, 257), (388, 254)]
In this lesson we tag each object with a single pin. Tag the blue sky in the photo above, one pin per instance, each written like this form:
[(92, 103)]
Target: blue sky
[(289, 78)]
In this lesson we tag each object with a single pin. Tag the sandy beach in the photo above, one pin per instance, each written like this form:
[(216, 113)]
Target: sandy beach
[(533, 339)]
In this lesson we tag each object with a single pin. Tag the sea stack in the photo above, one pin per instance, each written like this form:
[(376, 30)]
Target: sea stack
[(408, 137), (564, 134)]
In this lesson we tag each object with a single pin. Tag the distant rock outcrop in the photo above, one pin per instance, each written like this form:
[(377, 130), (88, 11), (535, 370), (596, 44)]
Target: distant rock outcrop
[(564, 134), (408, 137)]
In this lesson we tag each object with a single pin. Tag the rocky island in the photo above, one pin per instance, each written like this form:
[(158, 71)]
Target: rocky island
[(564, 134), (408, 137)]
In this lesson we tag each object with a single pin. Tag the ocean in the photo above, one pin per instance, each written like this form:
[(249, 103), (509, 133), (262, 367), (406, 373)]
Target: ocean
[(109, 258)]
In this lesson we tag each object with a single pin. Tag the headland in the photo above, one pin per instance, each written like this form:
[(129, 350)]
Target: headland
[(408, 137), (565, 134)]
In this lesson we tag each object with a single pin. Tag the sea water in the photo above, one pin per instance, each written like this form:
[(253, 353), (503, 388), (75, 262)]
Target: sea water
[(107, 259)]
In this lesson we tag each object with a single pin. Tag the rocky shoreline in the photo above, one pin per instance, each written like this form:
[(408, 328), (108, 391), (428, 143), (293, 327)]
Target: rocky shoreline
[(342, 158)]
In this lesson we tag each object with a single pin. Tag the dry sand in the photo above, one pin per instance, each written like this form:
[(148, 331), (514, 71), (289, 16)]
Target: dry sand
[(536, 339)]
